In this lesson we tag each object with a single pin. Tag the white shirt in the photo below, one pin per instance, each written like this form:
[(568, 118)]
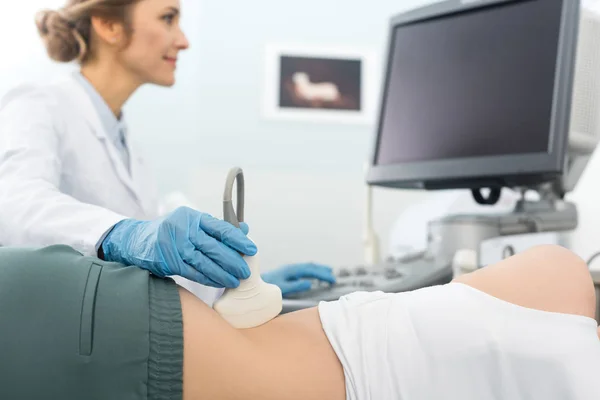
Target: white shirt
[(455, 342), (116, 128)]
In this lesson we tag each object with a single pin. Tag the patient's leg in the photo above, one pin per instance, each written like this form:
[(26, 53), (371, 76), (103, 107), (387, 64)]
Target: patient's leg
[(78, 327), (286, 359), (548, 278), (291, 358), (75, 327)]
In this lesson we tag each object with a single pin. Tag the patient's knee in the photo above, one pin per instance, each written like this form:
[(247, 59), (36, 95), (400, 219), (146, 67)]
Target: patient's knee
[(547, 277), (561, 266), (565, 274)]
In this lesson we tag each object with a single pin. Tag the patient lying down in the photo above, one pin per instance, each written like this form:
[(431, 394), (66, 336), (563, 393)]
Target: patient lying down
[(520, 329), (480, 337)]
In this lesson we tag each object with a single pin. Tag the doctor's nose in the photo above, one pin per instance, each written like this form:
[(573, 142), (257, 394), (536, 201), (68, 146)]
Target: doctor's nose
[(182, 43)]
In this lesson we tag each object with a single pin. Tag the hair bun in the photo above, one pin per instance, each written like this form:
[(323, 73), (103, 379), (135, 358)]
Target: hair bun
[(59, 35)]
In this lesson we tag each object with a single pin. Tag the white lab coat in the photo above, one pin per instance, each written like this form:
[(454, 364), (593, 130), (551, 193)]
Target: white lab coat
[(61, 178)]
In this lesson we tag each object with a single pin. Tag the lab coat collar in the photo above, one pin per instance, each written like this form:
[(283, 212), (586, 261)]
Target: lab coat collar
[(86, 107)]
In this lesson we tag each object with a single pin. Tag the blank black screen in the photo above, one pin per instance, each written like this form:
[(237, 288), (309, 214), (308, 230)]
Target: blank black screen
[(473, 84)]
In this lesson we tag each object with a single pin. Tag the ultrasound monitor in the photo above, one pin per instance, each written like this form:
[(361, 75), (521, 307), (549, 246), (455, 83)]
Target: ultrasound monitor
[(480, 94), (477, 94)]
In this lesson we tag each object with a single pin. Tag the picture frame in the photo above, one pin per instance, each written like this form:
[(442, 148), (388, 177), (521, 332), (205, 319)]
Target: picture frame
[(321, 84)]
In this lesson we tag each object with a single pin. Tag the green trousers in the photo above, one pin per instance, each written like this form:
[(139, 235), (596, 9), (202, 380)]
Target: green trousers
[(75, 327)]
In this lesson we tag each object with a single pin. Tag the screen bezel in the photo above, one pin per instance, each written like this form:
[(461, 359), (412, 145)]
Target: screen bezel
[(501, 170)]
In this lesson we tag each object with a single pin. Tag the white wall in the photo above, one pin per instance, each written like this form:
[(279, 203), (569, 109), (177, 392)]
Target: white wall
[(23, 54), (305, 192)]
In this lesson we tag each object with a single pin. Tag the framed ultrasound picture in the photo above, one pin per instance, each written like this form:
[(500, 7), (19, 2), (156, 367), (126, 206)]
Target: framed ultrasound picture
[(321, 84)]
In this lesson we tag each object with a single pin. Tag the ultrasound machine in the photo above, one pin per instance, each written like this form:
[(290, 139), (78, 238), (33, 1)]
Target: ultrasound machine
[(480, 95)]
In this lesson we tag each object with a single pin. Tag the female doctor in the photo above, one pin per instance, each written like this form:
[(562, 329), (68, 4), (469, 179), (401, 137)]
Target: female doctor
[(68, 176)]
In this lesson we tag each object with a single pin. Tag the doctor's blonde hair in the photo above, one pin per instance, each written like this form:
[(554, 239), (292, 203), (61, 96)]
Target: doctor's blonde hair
[(67, 31)]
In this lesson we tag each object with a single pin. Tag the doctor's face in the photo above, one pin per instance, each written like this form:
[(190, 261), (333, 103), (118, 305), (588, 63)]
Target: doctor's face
[(155, 42)]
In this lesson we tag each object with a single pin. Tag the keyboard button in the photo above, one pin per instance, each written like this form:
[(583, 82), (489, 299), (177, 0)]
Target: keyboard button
[(366, 283), (322, 284), (343, 273), (361, 271), (393, 274)]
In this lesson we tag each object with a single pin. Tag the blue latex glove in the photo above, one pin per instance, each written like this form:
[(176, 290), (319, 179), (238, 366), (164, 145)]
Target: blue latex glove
[(185, 242), (297, 277)]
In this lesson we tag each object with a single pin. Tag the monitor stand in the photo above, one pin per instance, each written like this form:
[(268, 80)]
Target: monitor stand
[(446, 236), (452, 233)]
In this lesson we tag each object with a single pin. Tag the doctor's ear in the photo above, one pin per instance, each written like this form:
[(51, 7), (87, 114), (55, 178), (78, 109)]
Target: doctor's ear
[(108, 31)]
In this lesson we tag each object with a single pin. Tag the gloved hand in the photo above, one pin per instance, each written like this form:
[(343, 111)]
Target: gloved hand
[(297, 277), (185, 242)]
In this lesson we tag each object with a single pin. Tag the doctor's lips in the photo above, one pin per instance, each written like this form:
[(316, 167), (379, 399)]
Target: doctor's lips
[(171, 60)]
